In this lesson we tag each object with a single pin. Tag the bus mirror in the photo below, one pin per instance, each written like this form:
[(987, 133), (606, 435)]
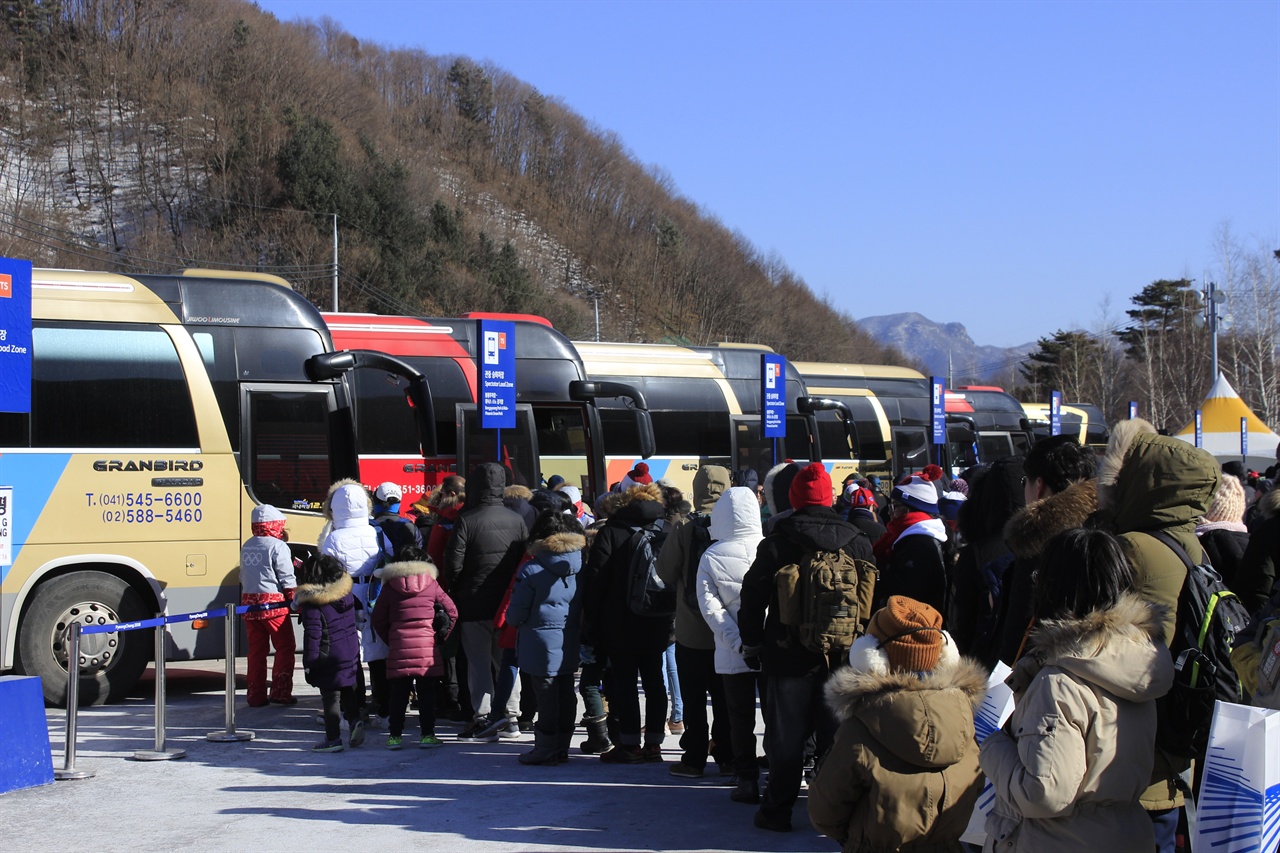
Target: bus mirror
[(644, 428), (810, 405), (585, 391), (329, 365)]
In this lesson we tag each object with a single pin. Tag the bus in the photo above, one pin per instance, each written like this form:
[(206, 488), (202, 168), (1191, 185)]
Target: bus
[(892, 417), (1083, 420), (557, 430), (163, 409), (997, 422), (705, 406)]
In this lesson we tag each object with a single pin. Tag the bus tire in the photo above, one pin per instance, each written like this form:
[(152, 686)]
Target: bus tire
[(110, 663)]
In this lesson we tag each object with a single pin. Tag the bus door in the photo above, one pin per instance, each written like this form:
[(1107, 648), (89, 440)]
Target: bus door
[(565, 445), (515, 449), (286, 447)]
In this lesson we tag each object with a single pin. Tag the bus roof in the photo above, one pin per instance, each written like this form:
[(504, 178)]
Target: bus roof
[(617, 359), (449, 337), (855, 371)]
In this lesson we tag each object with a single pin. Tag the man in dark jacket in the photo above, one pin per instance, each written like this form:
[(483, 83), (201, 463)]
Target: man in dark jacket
[(633, 643), (795, 676), (397, 529), (480, 559)]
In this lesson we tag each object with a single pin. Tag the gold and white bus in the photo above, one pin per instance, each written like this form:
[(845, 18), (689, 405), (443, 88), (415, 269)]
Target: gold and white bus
[(704, 404), (891, 414), (163, 409)]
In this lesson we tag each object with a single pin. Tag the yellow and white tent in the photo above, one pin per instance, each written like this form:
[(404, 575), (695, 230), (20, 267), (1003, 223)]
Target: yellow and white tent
[(1220, 414)]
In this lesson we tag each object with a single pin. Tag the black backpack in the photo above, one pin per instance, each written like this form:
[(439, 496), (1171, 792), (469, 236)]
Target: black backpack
[(1208, 618), (647, 593), (699, 542)]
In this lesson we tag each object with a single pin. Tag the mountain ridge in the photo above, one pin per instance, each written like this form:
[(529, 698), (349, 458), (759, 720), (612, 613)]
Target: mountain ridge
[(947, 348)]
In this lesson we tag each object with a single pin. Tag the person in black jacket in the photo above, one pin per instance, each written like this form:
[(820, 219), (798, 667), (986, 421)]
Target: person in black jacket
[(1222, 534), (398, 530), (910, 555), (633, 643), (795, 676), (480, 559)]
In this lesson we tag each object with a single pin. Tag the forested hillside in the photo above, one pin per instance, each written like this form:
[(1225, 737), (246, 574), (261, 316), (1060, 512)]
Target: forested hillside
[(147, 135)]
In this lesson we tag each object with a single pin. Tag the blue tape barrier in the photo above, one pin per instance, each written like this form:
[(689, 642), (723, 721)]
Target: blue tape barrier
[(179, 617)]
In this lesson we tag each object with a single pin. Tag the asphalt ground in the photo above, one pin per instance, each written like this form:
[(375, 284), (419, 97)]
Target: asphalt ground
[(273, 793)]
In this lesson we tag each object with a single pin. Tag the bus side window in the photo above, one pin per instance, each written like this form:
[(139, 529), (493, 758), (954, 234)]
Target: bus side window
[(121, 386)]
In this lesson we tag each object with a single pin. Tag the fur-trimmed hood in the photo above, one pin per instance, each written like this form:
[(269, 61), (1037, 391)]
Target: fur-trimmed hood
[(1269, 504), (317, 594), (407, 569), (1120, 649), (1035, 524), (517, 492), (638, 505), (349, 506), (328, 498), (1153, 482), (925, 720), (560, 553), (558, 543)]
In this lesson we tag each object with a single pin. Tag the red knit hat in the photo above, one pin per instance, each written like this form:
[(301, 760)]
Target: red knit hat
[(811, 487), (640, 474)]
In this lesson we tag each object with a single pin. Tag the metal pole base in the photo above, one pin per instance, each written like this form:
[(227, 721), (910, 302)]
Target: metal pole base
[(159, 754), (229, 737), (64, 775)]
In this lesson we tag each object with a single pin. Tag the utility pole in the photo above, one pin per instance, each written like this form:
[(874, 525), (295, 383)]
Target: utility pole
[(1212, 299), (335, 263)]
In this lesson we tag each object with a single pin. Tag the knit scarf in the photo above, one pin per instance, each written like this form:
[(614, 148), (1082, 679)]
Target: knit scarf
[(274, 529), (884, 545)]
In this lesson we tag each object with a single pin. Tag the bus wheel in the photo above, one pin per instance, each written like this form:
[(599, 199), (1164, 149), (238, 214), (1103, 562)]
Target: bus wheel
[(110, 664)]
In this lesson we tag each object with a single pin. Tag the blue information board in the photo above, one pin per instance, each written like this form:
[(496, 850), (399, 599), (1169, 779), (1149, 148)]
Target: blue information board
[(1055, 413), (1133, 409), (773, 391), (937, 391), (497, 374), (1199, 428), (1244, 437), (15, 335)]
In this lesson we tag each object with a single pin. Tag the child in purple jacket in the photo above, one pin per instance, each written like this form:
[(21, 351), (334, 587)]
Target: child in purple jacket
[(331, 646)]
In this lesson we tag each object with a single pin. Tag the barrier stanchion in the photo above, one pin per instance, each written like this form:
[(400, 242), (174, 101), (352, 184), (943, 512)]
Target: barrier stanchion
[(230, 735), (159, 753), (69, 770)]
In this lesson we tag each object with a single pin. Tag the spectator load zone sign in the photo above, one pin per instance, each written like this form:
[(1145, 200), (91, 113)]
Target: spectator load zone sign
[(497, 374), (15, 335)]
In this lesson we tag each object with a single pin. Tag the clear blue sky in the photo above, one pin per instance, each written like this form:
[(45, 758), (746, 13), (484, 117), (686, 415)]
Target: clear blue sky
[(1006, 165)]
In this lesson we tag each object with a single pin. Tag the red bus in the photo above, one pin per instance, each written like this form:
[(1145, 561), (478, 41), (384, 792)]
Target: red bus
[(557, 421)]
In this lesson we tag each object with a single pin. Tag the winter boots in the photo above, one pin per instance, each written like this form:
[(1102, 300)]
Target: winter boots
[(544, 749), (597, 736)]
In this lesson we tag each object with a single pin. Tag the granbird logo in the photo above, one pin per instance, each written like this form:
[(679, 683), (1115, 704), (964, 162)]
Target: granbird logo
[(148, 465)]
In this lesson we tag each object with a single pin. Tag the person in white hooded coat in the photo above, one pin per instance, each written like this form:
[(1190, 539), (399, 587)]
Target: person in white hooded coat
[(735, 533), (354, 541)]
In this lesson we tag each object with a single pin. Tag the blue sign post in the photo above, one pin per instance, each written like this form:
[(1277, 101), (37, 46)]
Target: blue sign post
[(15, 335), (938, 415), (497, 374), (773, 391), (1133, 409), (1055, 413), (1199, 428), (1244, 440)]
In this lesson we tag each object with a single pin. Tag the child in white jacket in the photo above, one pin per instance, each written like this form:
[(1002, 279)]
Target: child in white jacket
[(735, 533)]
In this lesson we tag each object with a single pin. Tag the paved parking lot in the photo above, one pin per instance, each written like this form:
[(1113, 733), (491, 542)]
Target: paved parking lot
[(273, 793)]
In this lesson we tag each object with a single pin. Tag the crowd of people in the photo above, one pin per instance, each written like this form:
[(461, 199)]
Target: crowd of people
[(490, 604)]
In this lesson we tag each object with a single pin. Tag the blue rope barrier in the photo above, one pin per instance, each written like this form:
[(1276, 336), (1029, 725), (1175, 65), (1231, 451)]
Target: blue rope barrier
[(157, 621)]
